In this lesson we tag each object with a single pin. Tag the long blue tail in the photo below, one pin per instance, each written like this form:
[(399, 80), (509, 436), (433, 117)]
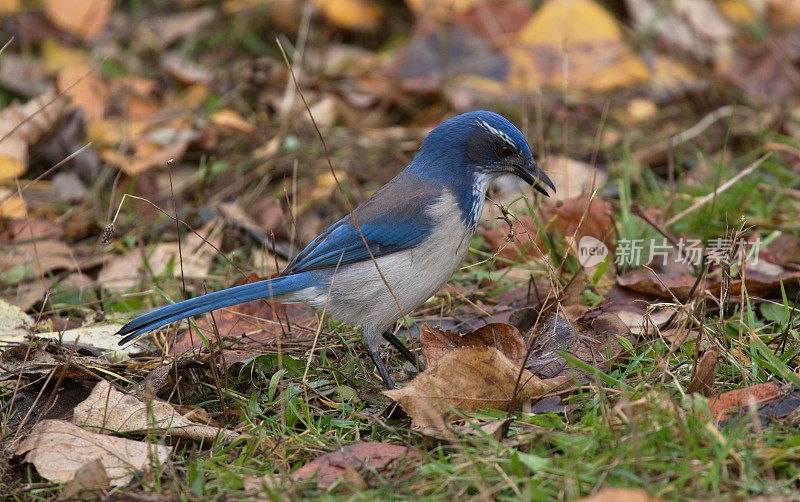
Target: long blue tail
[(269, 288)]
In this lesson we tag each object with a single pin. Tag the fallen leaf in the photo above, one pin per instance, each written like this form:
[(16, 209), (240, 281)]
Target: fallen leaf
[(575, 217), (123, 273), (573, 178), (590, 336), (90, 482), (12, 206), (470, 379), (705, 374), (133, 165), (57, 56), (640, 312), (351, 14), (722, 404), (109, 409), (168, 28), (27, 261), (695, 26), (83, 18), (574, 43), (229, 119), (436, 342), (23, 125), (84, 88), (620, 495), (59, 449), (328, 468), (783, 251)]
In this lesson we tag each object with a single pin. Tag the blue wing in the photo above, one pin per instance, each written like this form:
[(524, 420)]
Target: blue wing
[(393, 219)]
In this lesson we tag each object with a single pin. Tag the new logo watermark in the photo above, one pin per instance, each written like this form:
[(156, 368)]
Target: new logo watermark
[(591, 251), (631, 252)]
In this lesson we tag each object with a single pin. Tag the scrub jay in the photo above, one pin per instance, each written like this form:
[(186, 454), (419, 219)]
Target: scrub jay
[(411, 234)]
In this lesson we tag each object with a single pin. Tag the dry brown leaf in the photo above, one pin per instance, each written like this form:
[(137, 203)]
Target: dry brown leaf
[(167, 29), (122, 273), (620, 495), (705, 374), (722, 404), (110, 409), (37, 258), (60, 449), (582, 37), (229, 119), (436, 342), (359, 458), (82, 18), (90, 481), (470, 379), (85, 89), (24, 125), (137, 164), (565, 217), (637, 310)]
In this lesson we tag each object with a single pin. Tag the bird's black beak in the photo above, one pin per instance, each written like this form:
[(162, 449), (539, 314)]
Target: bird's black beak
[(532, 175)]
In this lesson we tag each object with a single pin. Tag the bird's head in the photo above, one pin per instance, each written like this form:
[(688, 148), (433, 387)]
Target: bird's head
[(486, 144)]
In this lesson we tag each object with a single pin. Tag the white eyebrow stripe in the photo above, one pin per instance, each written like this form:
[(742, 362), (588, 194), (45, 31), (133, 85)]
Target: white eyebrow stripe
[(500, 134)]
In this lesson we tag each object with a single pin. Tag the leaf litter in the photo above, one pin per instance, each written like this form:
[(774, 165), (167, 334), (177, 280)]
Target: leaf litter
[(160, 122)]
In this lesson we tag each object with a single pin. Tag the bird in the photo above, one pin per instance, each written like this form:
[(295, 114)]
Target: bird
[(396, 249)]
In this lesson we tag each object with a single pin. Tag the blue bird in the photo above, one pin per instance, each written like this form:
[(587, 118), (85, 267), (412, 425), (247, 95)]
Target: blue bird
[(417, 227)]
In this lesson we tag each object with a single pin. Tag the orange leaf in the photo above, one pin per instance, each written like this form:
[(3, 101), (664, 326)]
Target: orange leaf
[(82, 18)]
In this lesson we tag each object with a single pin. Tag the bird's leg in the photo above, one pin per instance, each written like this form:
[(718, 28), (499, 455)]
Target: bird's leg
[(372, 343), (404, 351)]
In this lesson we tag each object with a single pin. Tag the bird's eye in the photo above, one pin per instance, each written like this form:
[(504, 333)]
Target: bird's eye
[(506, 151)]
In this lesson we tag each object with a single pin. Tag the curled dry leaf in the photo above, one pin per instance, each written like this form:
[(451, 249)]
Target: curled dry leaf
[(593, 337), (705, 373), (436, 342), (470, 379), (641, 313), (360, 457), (90, 481), (110, 409), (60, 449)]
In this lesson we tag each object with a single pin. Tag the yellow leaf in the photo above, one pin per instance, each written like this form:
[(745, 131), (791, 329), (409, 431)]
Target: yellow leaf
[(577, 43), (14, 163), (737, 11), (84, 88), (82, 18), (351, 14), (11, 205), (57, 56)]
